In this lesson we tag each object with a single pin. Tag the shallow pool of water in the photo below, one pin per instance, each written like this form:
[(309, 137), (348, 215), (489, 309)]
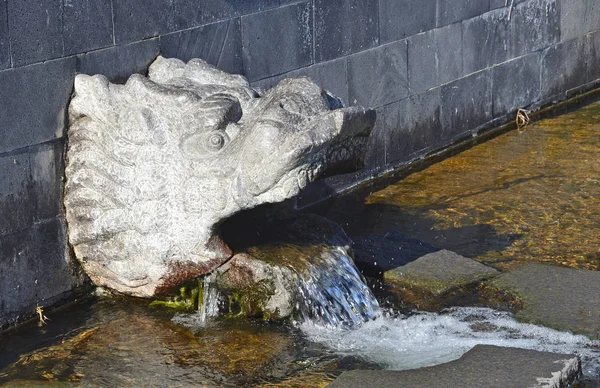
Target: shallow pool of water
[(530, 195)]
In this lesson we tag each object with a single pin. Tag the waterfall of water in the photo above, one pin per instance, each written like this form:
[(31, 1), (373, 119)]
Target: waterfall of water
[(333, 292)]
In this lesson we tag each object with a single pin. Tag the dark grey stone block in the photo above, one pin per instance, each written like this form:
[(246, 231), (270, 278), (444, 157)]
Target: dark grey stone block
[(4, 37), (87, 25), (482, 366), (140, 19), (16, 199), (593, 56), (330, 75), (434, 58), (375, 156), (563, 67), (193, 13), (516, 84), (494, 4), (422, 62), (35, 269), (35, 30), (414, 126), (47, 170), (219, 44), (118, 63), (34, 102), (277, 41), (344, 27), (535, 25), (578, 17), (466, 104), (451, 11), (401, 19), (378, 76), (486, 41)]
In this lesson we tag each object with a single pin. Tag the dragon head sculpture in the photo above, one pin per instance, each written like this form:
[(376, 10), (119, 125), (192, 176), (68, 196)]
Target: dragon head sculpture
[(155, 165)]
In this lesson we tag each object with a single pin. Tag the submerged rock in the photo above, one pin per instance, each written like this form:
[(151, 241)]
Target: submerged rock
[(311, 275), (557, 297), (432, 280), (155, 165)]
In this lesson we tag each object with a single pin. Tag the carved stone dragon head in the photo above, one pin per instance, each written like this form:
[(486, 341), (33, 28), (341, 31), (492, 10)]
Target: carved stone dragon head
[(155, 165)]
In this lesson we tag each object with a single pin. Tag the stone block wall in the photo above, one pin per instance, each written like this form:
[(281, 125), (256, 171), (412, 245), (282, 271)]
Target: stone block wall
[(435, 71)]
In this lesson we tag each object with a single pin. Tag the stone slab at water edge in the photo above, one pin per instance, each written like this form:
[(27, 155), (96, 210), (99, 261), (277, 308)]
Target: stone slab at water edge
[(557, 297), (437, 279), (483, 366), (155, 165)]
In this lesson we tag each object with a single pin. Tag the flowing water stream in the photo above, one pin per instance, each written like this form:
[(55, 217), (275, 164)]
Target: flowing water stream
[(530, 196)]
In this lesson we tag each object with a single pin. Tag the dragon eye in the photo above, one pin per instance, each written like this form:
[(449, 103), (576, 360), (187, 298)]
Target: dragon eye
[(216, 141)]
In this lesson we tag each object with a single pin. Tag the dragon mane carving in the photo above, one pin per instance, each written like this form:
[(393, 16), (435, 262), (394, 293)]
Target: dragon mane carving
[(155, 165)]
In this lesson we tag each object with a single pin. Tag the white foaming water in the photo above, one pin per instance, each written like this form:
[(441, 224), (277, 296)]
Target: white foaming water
[(427, 339)]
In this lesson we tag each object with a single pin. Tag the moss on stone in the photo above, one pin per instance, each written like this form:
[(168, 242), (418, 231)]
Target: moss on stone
[(189, 297)]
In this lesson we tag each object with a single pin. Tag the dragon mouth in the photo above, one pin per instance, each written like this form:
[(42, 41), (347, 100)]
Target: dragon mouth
[(343, 157)]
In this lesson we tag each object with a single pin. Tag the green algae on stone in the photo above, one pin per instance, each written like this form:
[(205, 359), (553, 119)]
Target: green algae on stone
[(189, 298)]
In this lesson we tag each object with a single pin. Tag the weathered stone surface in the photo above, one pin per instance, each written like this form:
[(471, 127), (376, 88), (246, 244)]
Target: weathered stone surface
[(434, 58), (140, 19), (34, 100), (378, 76), (344, 27), (330, 75), (87, 24), (219, 44), (486, 40), (466, 104), (516, 84), (561, 298), (47, 169), (578, 17), (35, 270), (535, 25), (119, 62), (16, 210), (438, 272), (191, 13), (561, 68), (277, 41), (483, 366), (398, 20), (156, 164), (4, 37), (413, 126), (35, 30), (449, 11)]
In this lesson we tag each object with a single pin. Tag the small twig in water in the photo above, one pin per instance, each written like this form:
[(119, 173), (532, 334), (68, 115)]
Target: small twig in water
[(42, 318), (522, 118)]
